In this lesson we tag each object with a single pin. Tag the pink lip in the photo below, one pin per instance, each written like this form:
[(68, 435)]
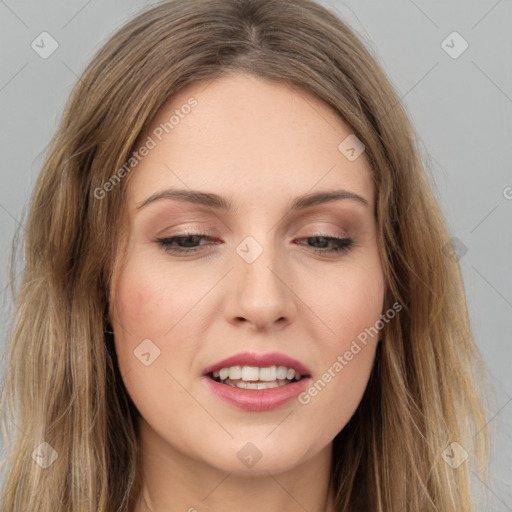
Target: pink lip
[(258, 399), (261, 360)]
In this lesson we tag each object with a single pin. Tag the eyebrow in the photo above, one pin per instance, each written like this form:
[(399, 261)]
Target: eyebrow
[(221, 203)]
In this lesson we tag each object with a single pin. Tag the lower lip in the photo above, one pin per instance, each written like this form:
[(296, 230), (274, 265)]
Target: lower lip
[(257, 399)]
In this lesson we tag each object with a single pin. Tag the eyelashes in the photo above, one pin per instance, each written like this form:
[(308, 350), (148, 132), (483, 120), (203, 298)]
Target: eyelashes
[(340, 244), (181, 245)]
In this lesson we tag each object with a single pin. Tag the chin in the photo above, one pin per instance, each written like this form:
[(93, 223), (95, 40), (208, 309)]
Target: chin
[(261, 454)]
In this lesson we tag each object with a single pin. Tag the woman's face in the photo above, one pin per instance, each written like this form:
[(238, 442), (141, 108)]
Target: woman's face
[(262, 284)]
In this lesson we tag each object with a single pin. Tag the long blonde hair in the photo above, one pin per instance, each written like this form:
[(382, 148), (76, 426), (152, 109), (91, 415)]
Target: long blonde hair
[(62, 384)]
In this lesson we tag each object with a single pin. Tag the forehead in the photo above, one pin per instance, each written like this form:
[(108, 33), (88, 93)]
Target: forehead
[(248, 136)]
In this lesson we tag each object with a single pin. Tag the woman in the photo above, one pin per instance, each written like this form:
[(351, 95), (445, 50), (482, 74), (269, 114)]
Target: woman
[(238, 284)]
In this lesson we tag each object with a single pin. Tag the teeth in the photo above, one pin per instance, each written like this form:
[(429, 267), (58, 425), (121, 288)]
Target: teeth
[(250, 373), (235, 372), (258, 385), (282, 371), (269, 374)]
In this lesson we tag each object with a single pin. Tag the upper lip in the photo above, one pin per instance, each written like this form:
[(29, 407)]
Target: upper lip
[(261, 360)]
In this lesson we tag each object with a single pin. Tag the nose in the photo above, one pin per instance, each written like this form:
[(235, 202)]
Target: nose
[(261, 292)]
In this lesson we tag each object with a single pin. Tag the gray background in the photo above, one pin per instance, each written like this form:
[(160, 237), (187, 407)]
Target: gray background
[(461, 109)]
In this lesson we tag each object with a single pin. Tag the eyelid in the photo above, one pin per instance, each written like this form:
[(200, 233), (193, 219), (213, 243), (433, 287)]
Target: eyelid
[(187, 230), (343, 245), (338, 226), (319, 229), (318, 232)]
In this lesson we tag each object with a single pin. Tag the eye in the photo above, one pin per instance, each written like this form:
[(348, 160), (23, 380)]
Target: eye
[(185, 243), (340, 244), (188, 243)]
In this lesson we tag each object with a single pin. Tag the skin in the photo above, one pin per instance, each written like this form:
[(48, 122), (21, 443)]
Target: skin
[(260, 144)]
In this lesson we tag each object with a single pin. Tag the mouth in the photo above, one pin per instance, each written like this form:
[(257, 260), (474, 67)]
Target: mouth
[(257, 382), (254, 377)]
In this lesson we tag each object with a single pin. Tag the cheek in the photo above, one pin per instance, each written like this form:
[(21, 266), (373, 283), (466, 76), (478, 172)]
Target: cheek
[(149, 298), (348, 302), (158, 302), (141, 310), (148, 305), (351, 307), (335, 392)]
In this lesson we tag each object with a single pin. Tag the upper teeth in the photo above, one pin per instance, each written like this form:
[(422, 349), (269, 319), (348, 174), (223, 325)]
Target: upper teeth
[(252, 373)]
